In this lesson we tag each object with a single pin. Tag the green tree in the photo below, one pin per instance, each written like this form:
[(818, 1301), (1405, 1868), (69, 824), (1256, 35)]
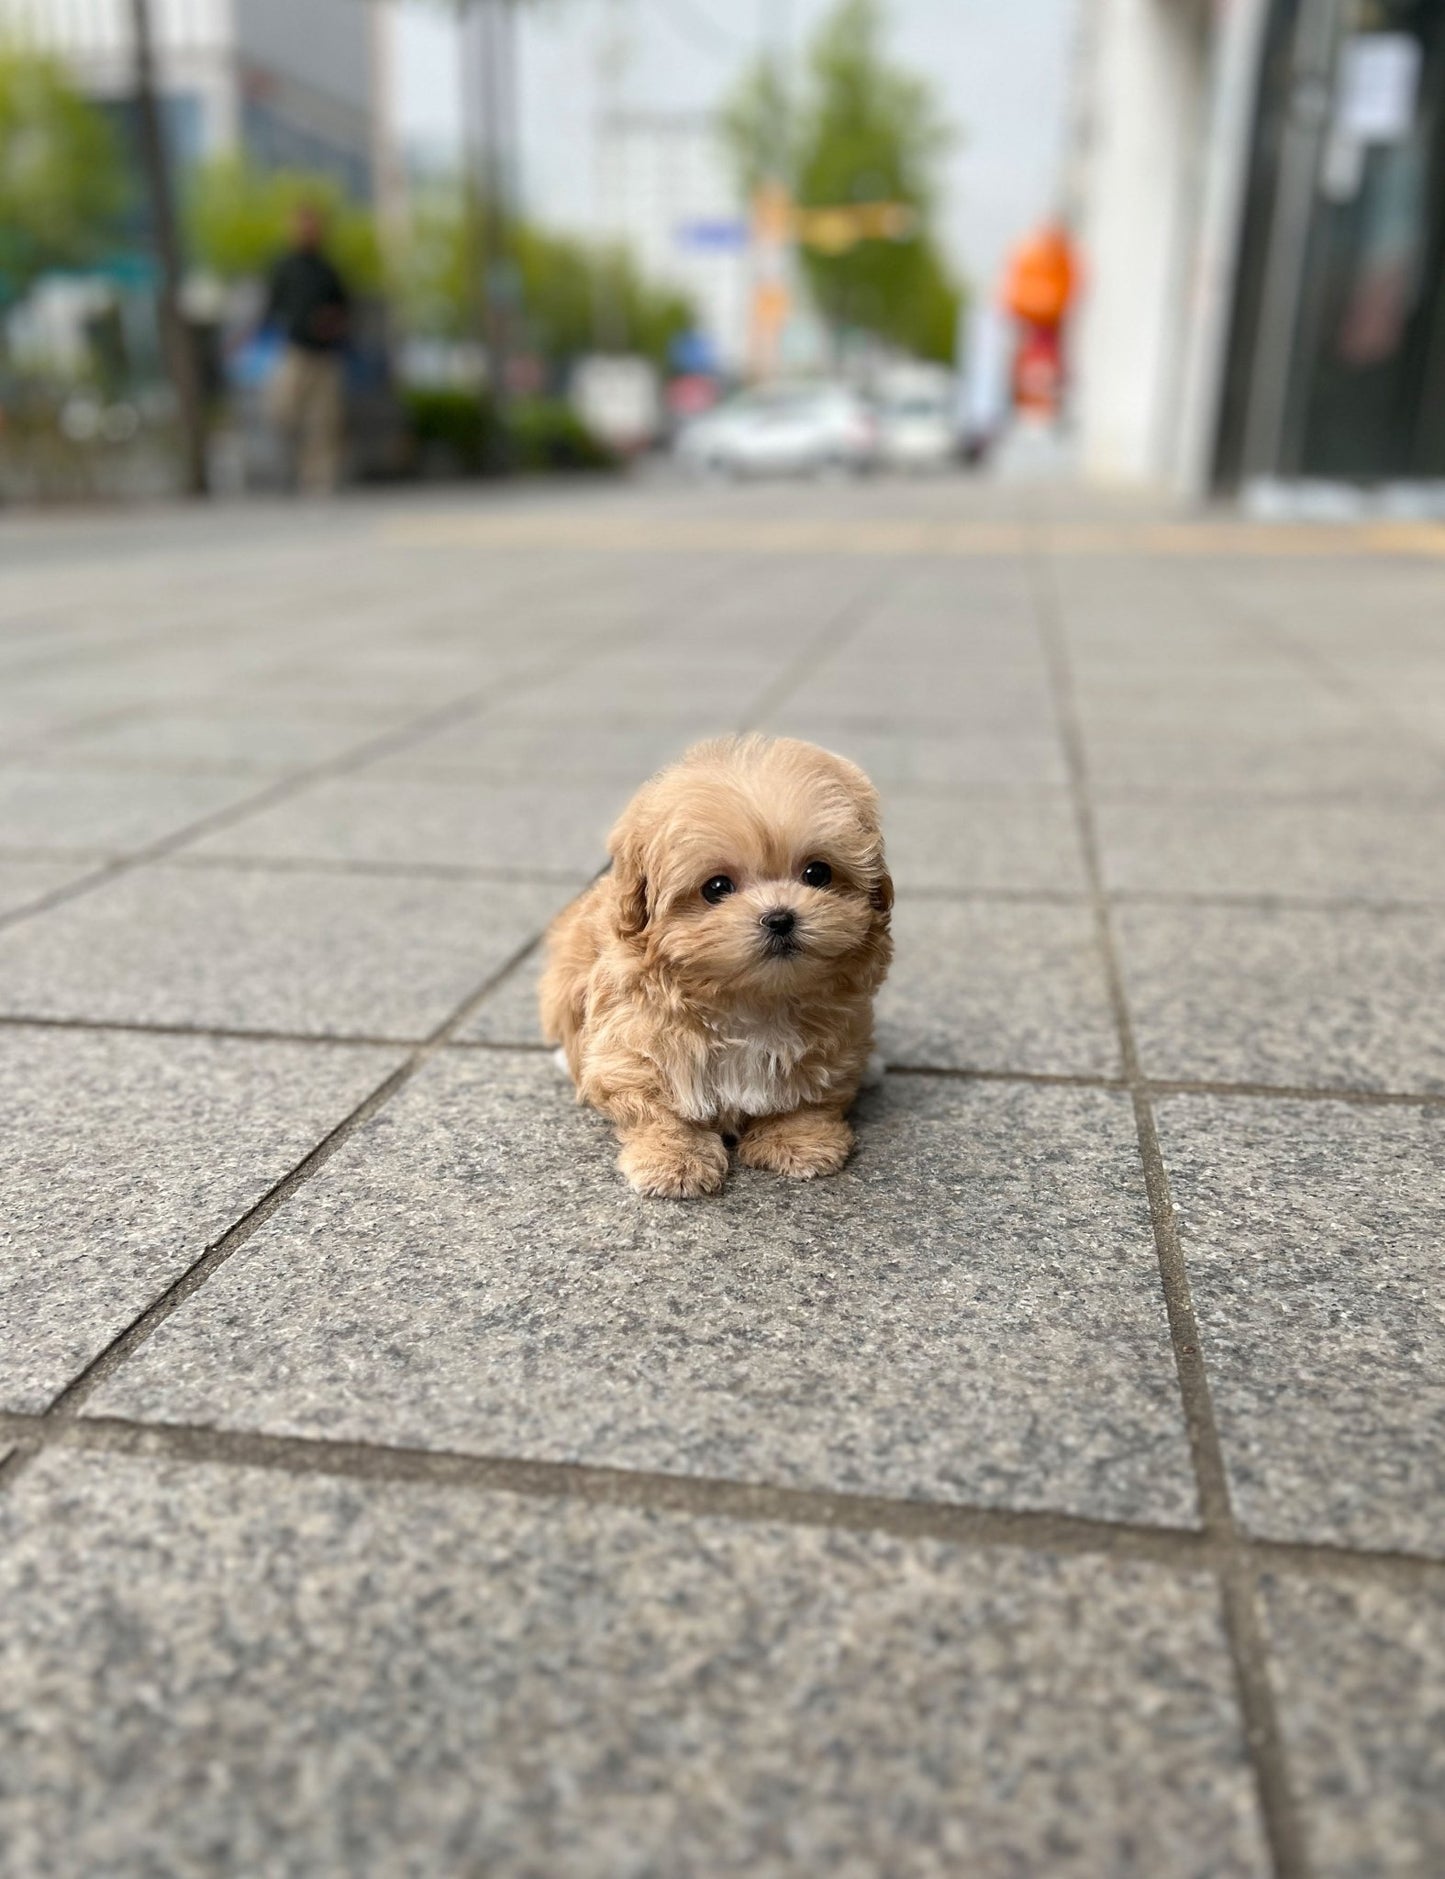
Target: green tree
[(758, 128), (560, 283), (238, 220), (62, 179), (858, 130)]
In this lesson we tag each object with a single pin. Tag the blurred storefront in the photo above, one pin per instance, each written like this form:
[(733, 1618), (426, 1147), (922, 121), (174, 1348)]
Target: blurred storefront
[(1260, 189)]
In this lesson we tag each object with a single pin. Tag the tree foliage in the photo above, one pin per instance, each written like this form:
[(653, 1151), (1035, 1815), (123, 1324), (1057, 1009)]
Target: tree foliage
[(857, 129), (62, 179), (238, 219), (571, 296)]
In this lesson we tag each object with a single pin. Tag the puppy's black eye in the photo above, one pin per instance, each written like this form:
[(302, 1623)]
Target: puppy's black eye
[(817, 874), (718, 888)]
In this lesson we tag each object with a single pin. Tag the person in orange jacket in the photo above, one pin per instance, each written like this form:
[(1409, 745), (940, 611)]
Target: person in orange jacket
[(1039, 287)]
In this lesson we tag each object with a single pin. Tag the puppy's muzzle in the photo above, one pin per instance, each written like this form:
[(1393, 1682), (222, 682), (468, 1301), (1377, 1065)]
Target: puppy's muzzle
[(780, 933)]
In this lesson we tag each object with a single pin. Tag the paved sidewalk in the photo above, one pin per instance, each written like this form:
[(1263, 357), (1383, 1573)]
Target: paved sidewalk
[(1059, 1490)]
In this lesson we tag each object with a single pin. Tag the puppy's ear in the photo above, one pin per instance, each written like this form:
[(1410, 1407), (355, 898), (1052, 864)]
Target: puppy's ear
[(629, 876), (881, 892)]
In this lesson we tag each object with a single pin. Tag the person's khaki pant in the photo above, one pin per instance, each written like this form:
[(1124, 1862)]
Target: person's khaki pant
[(306, 406)]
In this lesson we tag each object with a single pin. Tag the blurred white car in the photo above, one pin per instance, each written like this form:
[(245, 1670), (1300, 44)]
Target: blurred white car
[(782, 430), (917, 429)]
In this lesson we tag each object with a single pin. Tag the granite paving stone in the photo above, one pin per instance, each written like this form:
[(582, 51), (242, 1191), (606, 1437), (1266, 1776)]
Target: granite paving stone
[(997, 985), (535, 827), (1348, 764), (253, 949), (404, 1680), (970, 1311), (339, 1645), (1311, 1234), (961, 697), (1213, 693), (509, 1014), (63, 809), (124, 1155), (1360, 1673), (240, 739), (1020, 840), (24, 881), (1343, 997), (898, 757), (512, 744), (1318, 850), (616, 689)]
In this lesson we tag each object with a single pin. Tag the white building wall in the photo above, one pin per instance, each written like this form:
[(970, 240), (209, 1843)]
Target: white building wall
[(100, 28), (659, 173), (1235, 70), (1149, 87)]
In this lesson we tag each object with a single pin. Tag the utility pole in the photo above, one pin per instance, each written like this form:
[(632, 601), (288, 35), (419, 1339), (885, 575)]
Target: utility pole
[(388, 172), (495, 206), (176, 344), (484, 39), (609, 325)]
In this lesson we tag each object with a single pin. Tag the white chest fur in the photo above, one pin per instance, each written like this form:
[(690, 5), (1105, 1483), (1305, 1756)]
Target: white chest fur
[(750, 1067)]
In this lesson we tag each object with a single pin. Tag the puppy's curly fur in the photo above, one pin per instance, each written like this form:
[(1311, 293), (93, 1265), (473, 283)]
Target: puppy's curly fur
[(719, 980)]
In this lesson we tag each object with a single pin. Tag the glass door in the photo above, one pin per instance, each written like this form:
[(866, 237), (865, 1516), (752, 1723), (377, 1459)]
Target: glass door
[(1366, 384), (1336, 364)]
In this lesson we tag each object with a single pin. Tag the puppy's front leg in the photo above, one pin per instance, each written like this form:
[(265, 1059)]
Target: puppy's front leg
[(670, 1159), (805, 1142)]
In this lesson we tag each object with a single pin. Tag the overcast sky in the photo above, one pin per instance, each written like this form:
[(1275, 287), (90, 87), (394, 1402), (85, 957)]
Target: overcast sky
[(999, 66)]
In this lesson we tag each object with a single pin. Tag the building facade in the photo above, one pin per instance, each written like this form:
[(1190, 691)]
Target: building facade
[(1261, 191), (289, 84), (665, 192)]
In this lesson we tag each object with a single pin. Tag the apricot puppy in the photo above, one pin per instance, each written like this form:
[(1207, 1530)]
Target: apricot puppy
[(718, 982)]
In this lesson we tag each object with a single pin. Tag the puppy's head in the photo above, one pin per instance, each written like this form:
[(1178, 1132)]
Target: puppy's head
[(753, 868)]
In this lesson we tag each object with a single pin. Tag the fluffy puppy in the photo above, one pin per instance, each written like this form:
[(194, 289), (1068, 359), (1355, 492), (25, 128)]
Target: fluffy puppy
[(719, 981)]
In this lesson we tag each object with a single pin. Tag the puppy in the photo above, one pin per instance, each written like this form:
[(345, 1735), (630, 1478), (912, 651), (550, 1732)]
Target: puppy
[(718, 982)]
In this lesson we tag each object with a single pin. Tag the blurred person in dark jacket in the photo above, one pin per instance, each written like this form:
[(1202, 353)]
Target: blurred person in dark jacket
[(308, 302)]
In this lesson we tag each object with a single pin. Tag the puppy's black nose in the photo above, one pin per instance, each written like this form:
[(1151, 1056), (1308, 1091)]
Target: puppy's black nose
[(781, 921)]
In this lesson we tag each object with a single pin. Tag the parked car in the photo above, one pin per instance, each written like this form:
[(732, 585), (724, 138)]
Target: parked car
[(782, 430), (917, 429)]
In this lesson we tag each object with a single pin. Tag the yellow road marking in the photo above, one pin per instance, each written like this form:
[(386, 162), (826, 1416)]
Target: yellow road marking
[(659, 533)]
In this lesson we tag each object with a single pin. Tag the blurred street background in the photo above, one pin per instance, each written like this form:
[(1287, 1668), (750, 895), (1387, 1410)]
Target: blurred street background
[(419, 421), (1162, 243)]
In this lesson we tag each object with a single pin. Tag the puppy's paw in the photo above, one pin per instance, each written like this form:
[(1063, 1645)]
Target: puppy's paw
[(803, 1144), (666, 1166)]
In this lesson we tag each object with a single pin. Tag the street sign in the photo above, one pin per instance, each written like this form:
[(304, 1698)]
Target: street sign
[(719, 234)]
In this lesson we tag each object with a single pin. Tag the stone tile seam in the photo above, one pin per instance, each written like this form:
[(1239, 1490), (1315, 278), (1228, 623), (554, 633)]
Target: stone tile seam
[(547, 877), (710, 1496), (45, 755), (1264, 1737), (354, 759), (373, 870), (961, 1073)]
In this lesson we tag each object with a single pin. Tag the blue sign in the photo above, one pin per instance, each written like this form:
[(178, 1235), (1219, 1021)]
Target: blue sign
[(694, 353), (719, 234)]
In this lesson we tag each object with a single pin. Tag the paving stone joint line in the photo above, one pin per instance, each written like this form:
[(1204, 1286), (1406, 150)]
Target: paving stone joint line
[(1234, 1572), (972, 1524)]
